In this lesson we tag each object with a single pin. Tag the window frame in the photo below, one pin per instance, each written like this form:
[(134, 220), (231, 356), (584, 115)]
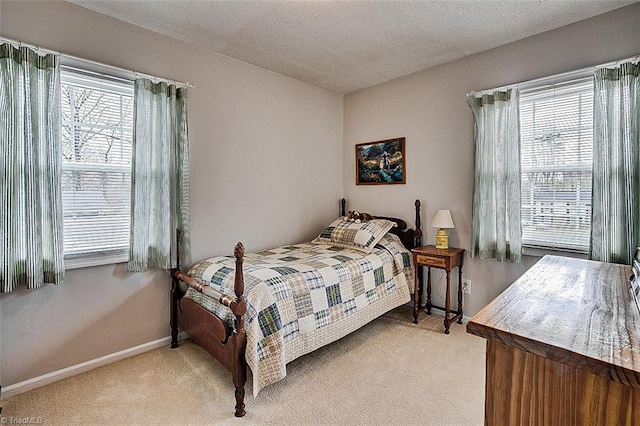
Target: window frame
[(540, 85), (104, 255)]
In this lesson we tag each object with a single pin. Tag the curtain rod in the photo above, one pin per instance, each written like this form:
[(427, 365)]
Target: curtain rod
[(119, 71), (553, 79)]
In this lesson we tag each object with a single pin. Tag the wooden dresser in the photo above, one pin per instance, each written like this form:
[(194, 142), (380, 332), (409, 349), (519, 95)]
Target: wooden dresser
[(563, 347)]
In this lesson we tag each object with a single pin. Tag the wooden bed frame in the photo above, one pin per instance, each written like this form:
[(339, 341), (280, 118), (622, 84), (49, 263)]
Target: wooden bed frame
[(226, 344)]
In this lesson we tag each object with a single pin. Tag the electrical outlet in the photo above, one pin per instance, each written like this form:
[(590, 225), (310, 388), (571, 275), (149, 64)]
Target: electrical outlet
[(466, 286)]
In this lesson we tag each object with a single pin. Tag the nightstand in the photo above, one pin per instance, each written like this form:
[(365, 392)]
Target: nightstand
[(446, 259)]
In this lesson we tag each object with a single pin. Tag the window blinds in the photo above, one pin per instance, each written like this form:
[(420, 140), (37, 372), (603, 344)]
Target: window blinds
[(556, 126), (97, 133)]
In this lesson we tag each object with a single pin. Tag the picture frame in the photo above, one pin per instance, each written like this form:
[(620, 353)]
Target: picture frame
[(381, 162)]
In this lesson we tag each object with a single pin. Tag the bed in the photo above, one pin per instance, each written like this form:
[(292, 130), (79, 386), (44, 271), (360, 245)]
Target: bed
[(266, 309)]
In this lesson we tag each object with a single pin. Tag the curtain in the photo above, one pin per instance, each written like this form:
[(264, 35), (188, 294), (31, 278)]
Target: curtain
[(615, 217), (160, 177), (30, 186), (496, 227)]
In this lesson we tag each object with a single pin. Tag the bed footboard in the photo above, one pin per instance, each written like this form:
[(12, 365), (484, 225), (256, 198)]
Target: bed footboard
[(209, 331)]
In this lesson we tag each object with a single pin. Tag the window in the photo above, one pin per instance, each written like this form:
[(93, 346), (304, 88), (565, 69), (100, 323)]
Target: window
[(556, 136), (97, 133)]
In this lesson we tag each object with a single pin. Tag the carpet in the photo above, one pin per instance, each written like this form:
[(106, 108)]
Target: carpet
[(389, 372)]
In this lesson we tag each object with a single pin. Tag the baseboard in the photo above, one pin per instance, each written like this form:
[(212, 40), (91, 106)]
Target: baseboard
[(45, 379)]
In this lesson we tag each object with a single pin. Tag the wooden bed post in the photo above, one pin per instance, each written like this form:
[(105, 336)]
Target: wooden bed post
[(343, 204), (239, 372), (174, 312), (417, 233), (176, 294)]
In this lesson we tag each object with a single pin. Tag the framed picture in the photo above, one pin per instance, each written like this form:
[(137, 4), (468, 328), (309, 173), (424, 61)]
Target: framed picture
[(381, 163)]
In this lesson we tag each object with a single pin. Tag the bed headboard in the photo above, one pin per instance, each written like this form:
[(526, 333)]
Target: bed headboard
[(410, 237)]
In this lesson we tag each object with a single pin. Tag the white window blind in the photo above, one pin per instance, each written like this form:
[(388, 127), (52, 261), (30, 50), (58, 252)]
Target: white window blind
[(556, 125), (97, 133)]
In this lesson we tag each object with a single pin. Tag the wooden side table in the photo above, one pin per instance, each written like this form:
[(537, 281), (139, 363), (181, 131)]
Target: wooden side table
[(446, 259)]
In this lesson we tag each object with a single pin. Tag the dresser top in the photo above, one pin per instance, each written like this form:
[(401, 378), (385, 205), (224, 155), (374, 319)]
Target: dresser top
[(574, 311)]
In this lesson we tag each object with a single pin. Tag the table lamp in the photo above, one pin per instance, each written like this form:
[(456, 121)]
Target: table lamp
[(442, 220)]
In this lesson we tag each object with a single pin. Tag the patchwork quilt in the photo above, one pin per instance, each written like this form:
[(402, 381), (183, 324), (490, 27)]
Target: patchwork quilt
[(301, 297)]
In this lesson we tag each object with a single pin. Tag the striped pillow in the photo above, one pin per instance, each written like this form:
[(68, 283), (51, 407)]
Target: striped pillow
[(360, 236)]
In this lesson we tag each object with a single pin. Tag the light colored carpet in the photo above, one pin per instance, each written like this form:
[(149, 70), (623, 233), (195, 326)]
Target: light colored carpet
[(390, 372)]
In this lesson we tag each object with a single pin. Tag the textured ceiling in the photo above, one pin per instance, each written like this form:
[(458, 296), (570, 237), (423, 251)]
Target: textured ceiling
[(346, 46)]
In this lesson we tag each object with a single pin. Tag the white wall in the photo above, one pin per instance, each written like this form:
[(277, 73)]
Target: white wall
[(429, 108), (266, 161)]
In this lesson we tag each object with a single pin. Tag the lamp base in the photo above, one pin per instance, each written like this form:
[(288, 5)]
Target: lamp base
[(442, 239)]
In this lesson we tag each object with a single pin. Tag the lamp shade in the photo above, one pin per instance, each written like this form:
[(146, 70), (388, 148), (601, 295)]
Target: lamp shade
[(442, 219)]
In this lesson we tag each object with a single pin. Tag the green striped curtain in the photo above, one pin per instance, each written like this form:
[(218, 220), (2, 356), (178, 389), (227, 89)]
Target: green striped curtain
[(160, 177), (615, 218), (30, 160), (496, 229)]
